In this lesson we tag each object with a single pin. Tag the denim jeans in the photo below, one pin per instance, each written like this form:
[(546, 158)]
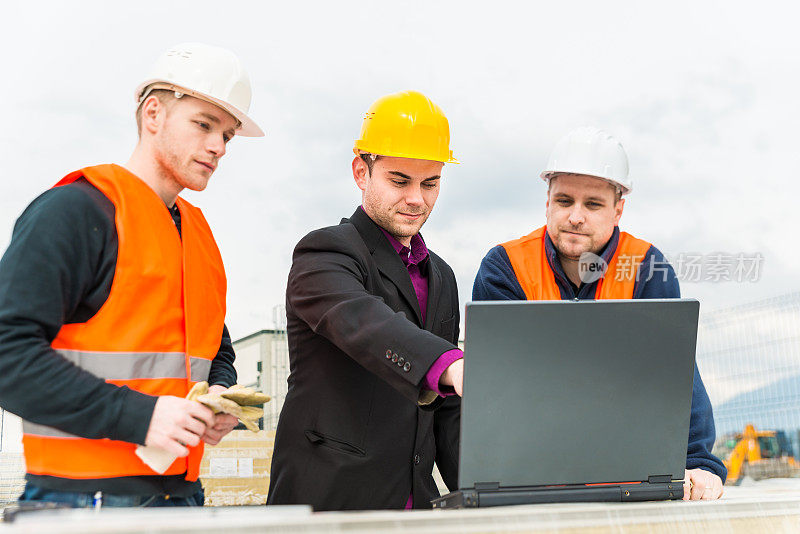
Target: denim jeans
[(86, 500)]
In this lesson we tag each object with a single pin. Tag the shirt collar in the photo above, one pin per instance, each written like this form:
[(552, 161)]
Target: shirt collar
[(414, 255)]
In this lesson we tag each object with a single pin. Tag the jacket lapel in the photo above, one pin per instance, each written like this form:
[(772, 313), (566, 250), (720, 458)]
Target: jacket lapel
[(434, 291), (387, 260)]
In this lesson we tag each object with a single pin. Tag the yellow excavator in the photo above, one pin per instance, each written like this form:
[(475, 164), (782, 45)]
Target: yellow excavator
[(757, 454)]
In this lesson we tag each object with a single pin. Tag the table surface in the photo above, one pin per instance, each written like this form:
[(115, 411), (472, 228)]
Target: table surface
[(765, 506)]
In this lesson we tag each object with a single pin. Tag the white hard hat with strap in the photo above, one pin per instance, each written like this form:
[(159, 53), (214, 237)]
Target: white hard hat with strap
[(206, 72)]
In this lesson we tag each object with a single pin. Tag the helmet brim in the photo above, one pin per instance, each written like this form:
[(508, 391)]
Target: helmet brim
[(626, 189), (360, 148), (247, 126)]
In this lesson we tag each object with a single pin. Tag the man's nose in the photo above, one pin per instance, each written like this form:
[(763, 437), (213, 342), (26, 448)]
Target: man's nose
[(576, 215), (414, 196), (216, 145)]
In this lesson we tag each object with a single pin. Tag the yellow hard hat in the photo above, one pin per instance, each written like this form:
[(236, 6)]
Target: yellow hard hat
[(406, 125)]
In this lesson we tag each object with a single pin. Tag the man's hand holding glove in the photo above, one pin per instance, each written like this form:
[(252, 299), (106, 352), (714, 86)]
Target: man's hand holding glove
[(177, 422)]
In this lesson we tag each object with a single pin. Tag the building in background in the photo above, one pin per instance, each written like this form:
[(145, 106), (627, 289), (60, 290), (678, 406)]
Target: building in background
[(262, 361)]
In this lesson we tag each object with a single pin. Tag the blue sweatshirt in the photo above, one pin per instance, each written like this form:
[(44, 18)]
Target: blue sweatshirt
[(496, 281)]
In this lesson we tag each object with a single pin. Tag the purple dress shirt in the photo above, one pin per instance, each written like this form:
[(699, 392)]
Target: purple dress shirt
[(414, 259)]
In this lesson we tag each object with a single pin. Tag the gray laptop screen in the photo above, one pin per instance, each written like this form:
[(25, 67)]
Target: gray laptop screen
[(568, 392)]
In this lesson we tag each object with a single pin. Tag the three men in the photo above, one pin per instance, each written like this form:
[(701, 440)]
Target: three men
[(581, 254), (372, 320), (112, 304), (112, 301)]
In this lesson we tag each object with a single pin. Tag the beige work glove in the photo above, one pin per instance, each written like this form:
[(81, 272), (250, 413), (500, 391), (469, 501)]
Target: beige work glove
[(244, 396), (237, 401), (248, 415), (201, 388), (159, 460)]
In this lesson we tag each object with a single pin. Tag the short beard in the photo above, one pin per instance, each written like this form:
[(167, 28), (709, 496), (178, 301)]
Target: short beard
[(561, 254), (398, 231), (168, 163), (557, 244), (387, 223)]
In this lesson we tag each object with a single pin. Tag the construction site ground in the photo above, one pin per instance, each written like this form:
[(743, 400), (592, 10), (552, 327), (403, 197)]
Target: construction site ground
[(764, 506)]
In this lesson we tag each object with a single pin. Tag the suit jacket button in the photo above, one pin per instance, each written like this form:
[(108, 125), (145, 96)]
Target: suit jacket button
[(401, 361), (394, 357), (407, 367), (416, 459), (388, 354)]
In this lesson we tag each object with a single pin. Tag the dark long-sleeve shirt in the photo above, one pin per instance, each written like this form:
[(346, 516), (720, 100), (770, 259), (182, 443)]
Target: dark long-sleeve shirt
[(496, 281), (58, 270)]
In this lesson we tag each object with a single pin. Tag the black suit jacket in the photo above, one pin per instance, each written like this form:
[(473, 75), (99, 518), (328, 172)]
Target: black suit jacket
[(353, 433)]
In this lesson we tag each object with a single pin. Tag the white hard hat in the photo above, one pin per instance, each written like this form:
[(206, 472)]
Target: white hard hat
[(206, 72), (591, 152)]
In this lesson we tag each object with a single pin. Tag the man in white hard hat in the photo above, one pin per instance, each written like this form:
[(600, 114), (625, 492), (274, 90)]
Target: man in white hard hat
[(581, 254), (113, 301)]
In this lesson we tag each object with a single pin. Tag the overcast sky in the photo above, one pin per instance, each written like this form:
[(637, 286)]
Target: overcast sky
[(703, 96)]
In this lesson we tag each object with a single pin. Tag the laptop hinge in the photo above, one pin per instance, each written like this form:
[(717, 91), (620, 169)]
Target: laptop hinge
[(659, 479), (487, 485)]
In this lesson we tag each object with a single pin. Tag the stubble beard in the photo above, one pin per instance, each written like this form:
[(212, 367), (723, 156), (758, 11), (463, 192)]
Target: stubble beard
[(384, 218), (175, 170), (562, 246)]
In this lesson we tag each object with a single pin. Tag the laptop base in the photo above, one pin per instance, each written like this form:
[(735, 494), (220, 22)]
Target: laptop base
[(475, 498)]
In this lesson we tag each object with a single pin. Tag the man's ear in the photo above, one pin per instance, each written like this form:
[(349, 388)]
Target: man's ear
[(618, 211), (360, 172), (152, 114)]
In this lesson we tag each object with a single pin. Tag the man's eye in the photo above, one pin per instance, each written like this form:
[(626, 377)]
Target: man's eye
[(398, 183), (427, 185), (226, 138), (203, 125)]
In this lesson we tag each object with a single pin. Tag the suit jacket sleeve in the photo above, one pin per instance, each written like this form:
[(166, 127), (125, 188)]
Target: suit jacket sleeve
[(328, 290)]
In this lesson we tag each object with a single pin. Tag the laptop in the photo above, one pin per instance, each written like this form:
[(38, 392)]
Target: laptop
[(575, 401)]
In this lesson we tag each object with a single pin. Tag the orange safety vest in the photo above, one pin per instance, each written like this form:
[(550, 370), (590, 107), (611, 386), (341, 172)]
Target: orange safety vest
[(536, 277), (157, 333)]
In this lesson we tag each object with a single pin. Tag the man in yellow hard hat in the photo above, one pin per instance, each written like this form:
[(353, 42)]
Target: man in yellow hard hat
[(373, 324), (581, 254), (113, 301)]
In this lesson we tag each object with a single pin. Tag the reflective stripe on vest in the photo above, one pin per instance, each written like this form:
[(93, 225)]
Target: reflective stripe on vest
[(42, 430), (136, 365), (119, 367), (157, 312), (535, 276)]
